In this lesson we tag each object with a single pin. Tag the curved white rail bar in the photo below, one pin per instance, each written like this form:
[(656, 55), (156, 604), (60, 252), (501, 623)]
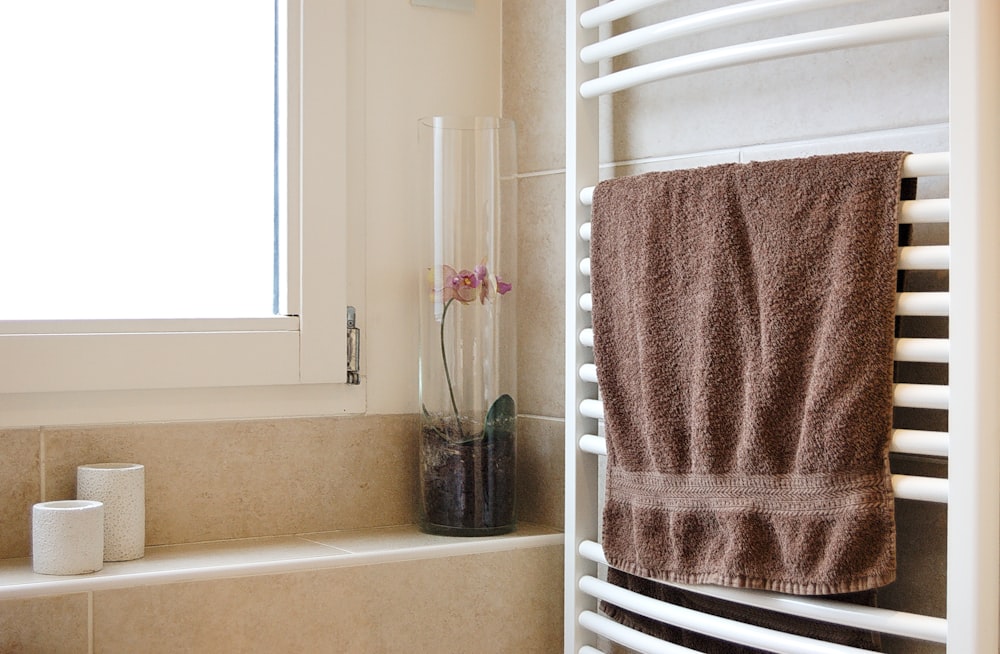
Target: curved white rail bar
[(914, 350), (619, 633), (904, 487), (712, 625), (745, 12), (923, 257), (927, 164), (907, 304), (839, 38), (923, 304), (924, 211), (910, 212), (614, 10), (936, 210), (920, 396), (922, 350), (902, 441), (910, 257), (853, 615), (587, 649), (923, 489), (916, 441)]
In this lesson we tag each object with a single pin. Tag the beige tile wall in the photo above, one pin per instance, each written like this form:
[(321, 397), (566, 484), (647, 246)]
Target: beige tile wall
[(533, 90), (500, 602), (456, 604), (223, 480), (220, 480), (540, 385), (238, 479), (49, 625), (534, 44), (20, 487)]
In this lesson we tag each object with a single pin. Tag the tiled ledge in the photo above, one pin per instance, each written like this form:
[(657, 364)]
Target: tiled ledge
[(259, 556)]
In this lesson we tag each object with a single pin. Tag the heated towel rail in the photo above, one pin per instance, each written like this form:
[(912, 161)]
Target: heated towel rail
[(971, 442)]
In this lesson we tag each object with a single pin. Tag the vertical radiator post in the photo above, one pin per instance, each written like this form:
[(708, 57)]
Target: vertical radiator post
[(581, 470), (974, 372)]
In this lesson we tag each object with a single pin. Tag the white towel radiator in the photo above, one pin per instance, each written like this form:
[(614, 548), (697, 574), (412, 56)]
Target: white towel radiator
[(971, 397)]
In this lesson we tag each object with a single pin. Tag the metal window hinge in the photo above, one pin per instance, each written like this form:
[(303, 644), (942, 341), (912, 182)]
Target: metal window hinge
[(353, 348)]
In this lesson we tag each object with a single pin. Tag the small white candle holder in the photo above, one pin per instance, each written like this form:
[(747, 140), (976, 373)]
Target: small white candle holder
[(67, 537), (122, 489)]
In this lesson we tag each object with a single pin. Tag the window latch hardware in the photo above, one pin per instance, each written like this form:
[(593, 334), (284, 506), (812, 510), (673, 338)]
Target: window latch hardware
[(353, 348)]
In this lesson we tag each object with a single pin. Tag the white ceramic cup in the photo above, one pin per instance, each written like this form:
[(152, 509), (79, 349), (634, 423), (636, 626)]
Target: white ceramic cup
[(122, 489), (67, 537)]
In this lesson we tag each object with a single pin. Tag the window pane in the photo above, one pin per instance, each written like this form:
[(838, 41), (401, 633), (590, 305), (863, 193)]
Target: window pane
[(137, 158)]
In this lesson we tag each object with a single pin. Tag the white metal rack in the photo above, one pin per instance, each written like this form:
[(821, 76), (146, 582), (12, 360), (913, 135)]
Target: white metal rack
[(972, 396)]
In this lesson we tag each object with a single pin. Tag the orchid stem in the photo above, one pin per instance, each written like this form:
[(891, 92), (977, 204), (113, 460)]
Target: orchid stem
[(447, 375)]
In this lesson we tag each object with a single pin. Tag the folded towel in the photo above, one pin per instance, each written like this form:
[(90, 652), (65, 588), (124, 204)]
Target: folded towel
[(743, 335)]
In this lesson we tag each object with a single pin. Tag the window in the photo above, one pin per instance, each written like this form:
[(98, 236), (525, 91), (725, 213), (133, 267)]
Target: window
[(106, 368), (140, 171)]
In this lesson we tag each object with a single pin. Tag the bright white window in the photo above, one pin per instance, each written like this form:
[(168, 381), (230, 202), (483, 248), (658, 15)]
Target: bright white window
[(135, 353), (140, 157)]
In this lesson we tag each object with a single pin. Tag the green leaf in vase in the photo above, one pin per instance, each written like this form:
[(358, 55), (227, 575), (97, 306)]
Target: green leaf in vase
[(500, 419)]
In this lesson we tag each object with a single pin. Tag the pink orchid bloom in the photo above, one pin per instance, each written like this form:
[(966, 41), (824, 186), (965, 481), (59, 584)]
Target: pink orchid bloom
[(503, 287), (460, 285), (465, 285), (482, 274)]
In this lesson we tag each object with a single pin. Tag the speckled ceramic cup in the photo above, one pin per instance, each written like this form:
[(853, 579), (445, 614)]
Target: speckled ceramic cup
[(67, 537), (122, 489)]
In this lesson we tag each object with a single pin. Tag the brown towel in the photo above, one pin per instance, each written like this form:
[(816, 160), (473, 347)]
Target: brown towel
[(743, 334)]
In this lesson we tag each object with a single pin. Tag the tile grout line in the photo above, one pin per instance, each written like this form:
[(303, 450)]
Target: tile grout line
[(41, 465), (541, 418), (90, 622)]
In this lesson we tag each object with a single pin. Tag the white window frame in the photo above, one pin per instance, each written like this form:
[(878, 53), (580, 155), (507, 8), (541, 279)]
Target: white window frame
[(59, 372)]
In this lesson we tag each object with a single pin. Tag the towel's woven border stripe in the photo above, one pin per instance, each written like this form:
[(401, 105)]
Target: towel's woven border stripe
[(782, 493)]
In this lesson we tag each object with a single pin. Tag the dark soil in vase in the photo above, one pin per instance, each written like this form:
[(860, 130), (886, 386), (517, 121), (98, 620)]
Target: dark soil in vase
[(467, 488)]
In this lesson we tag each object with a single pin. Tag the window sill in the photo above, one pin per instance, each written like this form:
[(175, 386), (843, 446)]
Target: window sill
[(167, 564)]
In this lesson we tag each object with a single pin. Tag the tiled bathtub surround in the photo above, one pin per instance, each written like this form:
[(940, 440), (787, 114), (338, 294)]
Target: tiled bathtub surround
[(347, 591), (220, 480), (432, 607), (263, 479), (210, 481), (55, 625)]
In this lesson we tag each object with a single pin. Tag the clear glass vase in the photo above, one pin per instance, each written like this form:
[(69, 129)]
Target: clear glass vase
[(468, 439)]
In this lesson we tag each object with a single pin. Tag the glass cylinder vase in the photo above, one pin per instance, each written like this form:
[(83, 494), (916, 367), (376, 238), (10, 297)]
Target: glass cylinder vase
[(468, 439)]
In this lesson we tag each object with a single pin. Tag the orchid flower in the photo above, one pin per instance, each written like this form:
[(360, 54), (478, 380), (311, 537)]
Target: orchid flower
[(482, 274), (461, 285)]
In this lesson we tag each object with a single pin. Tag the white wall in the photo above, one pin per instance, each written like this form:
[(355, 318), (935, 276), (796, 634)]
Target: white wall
[(417, 62)]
